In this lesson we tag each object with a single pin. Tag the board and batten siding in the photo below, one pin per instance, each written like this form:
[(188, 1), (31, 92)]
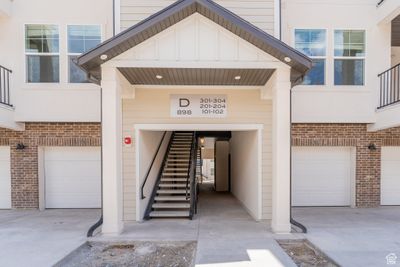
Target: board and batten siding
[(152, 106), (258, 12)]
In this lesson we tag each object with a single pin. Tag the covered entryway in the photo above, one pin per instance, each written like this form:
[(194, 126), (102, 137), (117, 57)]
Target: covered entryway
[(322, 176), (238, 169), (5, 178), (169, 69), (390, 176), (72, 177)]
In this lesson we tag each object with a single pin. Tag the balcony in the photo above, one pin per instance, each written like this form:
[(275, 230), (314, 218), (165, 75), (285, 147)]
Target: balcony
[(6, 108), (5, 8), (389, 82), (5, 86)]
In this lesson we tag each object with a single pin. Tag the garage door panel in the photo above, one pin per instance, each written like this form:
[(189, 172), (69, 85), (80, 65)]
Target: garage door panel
[(73, 168), (5, 178), (390, 176), (73, 177), (322, 176)]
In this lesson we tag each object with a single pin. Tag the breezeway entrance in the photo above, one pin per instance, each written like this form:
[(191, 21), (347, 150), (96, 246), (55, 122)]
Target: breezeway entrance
[(245, 173)]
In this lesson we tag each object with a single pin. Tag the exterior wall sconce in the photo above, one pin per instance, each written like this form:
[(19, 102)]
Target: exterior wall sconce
[(372, 147), (20, 146)]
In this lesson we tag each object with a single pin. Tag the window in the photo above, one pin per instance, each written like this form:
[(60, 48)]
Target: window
[(42, 53), (313, 44), (81, 38), (349, 57)]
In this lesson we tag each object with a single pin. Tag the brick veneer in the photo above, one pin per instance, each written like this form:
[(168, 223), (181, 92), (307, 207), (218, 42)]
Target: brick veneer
[(24, 163), (368, 163)]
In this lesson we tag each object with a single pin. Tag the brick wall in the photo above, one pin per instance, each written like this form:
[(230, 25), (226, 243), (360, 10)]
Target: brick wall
[(24, 163), (368, 163)]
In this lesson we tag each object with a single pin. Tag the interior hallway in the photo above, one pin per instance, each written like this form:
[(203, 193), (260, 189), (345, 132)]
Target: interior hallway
[(226, 235)]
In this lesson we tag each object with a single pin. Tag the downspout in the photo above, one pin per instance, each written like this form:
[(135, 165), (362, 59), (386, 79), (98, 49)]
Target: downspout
[(293, 221), (100, 221)]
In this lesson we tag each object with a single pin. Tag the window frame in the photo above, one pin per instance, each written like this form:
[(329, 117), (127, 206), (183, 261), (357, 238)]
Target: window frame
[(26, 54), (350, 57), (325, 58), (77, 54)]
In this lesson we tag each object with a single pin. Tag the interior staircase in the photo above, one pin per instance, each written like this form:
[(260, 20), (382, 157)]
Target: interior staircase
[(172, 194)]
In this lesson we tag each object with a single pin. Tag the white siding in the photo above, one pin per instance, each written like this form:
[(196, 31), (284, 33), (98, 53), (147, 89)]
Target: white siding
[(153, 106), (258, 12)]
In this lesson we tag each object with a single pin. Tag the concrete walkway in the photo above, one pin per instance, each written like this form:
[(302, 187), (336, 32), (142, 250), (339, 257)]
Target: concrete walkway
[(354, 237), (34, 238), (227, 236)]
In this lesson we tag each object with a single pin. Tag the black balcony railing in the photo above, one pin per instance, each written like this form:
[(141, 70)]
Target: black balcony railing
[(380, 2), (389, 87), (5, 86)]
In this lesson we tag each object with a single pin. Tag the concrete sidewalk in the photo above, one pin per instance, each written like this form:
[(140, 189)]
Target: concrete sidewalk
[(226, 235), (354, 237), (34, 238)]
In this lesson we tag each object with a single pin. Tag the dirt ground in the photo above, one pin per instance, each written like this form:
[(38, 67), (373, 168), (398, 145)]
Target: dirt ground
[(140, 254), (304, 254)]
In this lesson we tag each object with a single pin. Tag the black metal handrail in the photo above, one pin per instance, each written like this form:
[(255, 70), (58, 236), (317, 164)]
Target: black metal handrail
[(192, 177), (189, 173), (389, 82), (5, 86), (151, 166)]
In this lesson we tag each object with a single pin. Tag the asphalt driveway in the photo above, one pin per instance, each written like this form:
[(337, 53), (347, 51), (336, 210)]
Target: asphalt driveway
[(33, 238), (354, 237)]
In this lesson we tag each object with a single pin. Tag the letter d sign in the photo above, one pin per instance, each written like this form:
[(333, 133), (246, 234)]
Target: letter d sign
[(184, 102)]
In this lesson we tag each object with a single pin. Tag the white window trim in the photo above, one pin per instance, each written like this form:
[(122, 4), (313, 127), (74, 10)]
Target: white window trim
[(77, 54), (41, 54), (349, 57), (315, 57)]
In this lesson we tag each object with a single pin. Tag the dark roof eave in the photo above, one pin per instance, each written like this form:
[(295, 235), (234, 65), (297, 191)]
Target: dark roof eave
[(91, 59)]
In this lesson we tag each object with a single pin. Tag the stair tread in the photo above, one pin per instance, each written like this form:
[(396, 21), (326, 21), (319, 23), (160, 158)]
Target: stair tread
[(171, 198), (173, 185), (169, 213), (171, 205), (171, 191)]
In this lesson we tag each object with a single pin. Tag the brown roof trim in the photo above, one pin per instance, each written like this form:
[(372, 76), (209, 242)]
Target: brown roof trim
[(90, 61)]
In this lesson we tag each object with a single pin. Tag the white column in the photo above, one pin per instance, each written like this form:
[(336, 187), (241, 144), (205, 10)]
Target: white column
[(281, 152), (112, 152)]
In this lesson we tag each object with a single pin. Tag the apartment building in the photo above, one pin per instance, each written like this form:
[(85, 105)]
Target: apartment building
[(115, 104)]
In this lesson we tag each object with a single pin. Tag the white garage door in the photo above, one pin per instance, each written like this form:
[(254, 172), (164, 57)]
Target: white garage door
[(72, 177), (390, 176), (5, 178), (322, 176)]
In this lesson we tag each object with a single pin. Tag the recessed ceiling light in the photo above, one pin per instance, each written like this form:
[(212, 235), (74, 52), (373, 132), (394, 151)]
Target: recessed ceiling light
[(103, 57), (237, 78), (159, 77), (287, 59)]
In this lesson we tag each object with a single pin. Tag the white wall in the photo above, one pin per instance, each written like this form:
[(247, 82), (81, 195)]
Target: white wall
[(51, 102), (329, 103), (244, 170), (148, 144)]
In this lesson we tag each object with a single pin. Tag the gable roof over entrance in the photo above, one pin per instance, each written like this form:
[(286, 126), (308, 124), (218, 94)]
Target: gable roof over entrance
[(180, 10)]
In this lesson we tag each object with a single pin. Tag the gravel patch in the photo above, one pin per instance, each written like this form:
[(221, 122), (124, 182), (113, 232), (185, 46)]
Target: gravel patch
[(305, 254), (138, 253)]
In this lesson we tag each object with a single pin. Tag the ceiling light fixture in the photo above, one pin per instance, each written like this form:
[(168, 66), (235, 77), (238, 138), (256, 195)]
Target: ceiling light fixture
[(237, 78), (159, 76), (103, 57), (287, 59)]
